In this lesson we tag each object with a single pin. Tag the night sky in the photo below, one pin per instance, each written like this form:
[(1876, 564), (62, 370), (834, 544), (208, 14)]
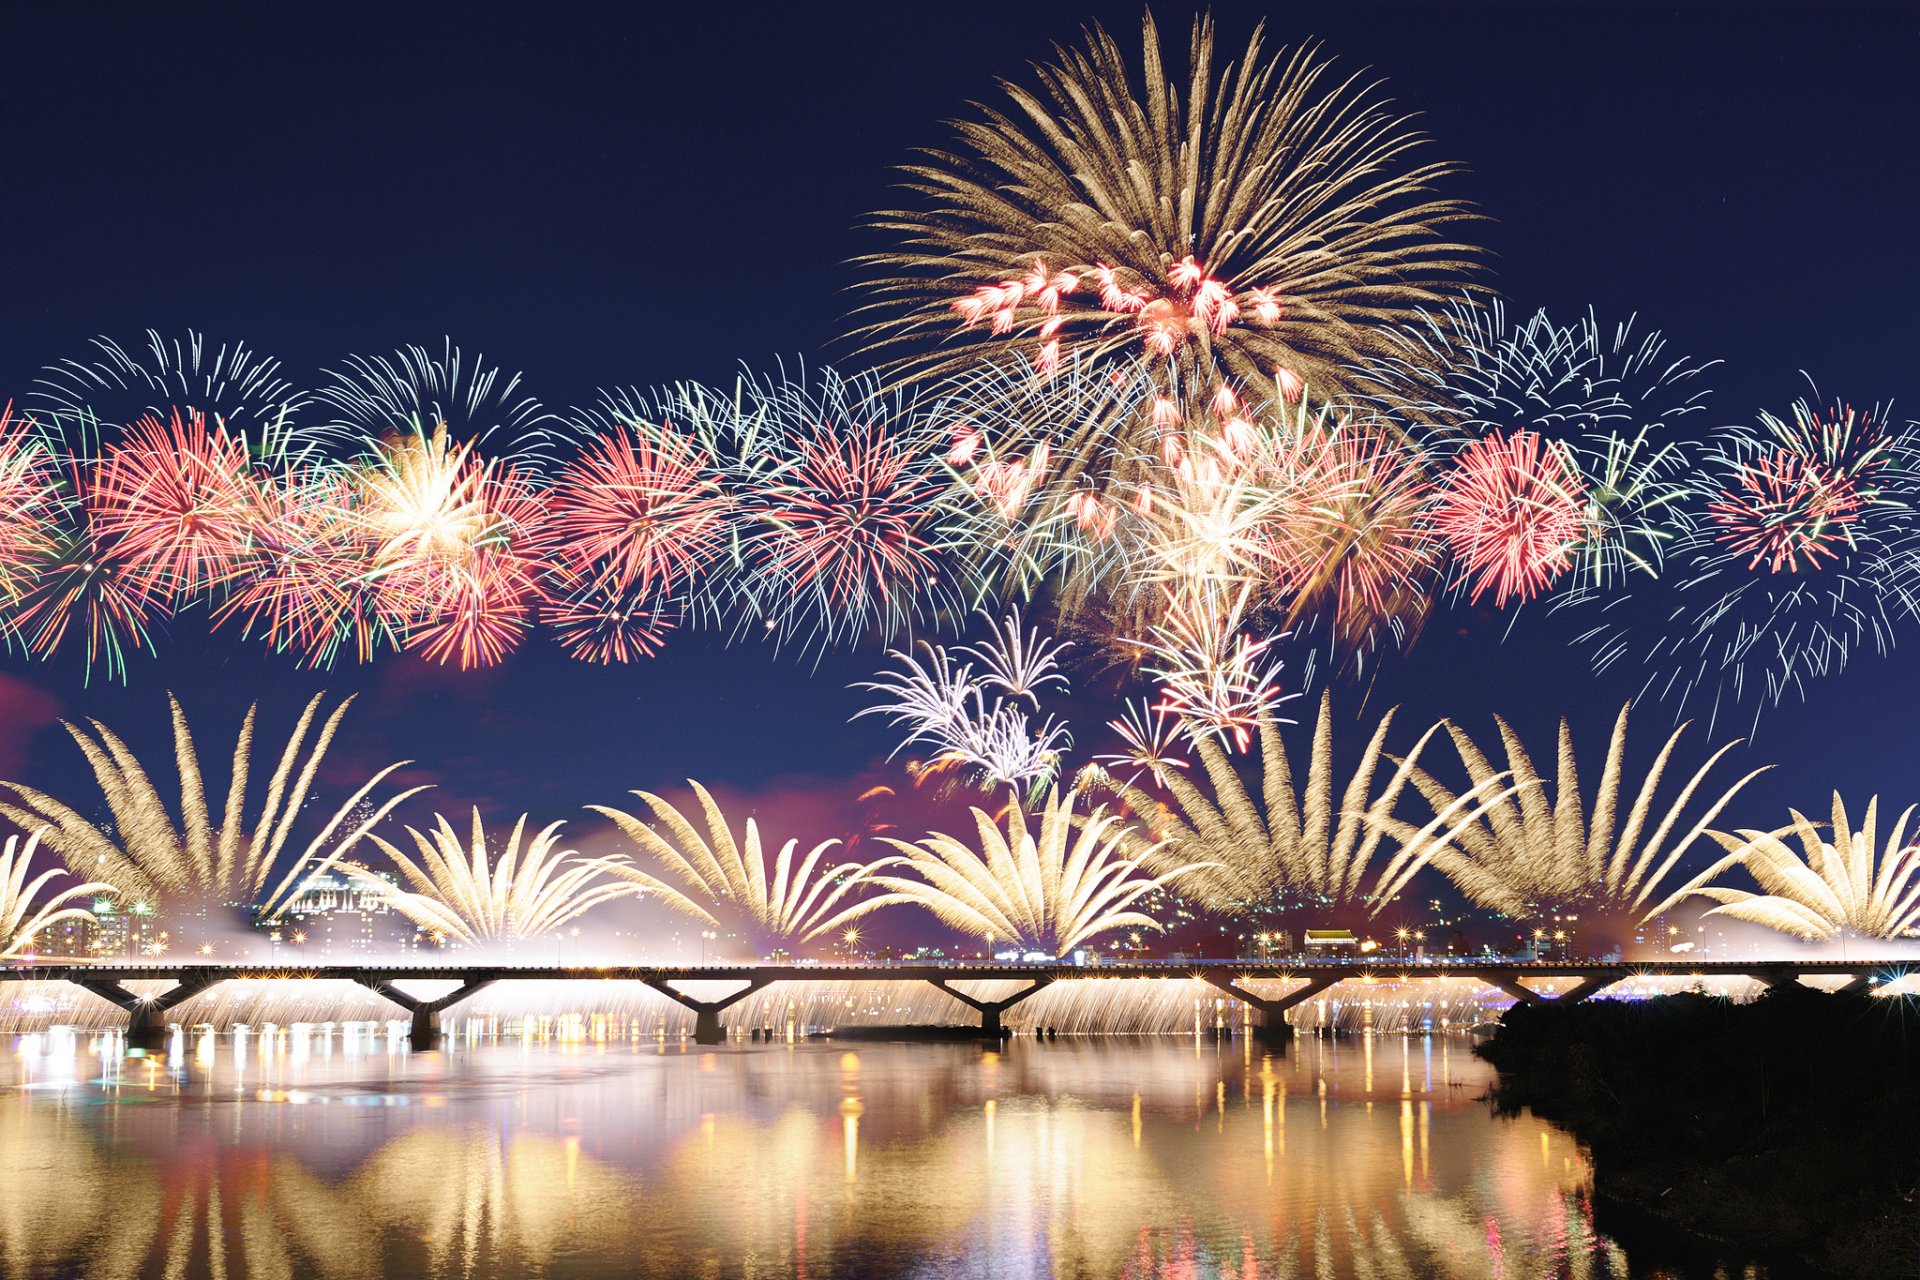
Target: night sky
[(630, 195)]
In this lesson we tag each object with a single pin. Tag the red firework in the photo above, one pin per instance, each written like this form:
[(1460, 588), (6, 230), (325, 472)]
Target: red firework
[(306, 586), (845, 518), (644, 511), (173, 501), (1787, 510), (1511, 510)]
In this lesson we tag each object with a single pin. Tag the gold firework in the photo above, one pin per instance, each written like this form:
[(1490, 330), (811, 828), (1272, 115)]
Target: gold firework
[(1053, 888), (725, 882), (1532, 847), (1269, 220), (232, 861), (1294, 838), (461, 892), (1831, 886), (20, 921)]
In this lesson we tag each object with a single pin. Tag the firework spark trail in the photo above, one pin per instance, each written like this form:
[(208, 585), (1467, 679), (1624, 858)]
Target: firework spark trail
[(1284, 226), (461, 892), (230, 861), (725, 882), (240, 389), (1845, 885)]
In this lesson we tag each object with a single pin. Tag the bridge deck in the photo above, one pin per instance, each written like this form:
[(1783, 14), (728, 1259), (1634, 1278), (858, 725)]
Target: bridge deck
[(146, 1014)]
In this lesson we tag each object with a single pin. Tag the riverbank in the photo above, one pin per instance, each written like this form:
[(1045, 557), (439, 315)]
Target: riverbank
[(1788, 1126)]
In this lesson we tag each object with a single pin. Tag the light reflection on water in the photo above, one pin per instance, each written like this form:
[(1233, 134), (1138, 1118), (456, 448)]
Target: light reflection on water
[(317, 1153)]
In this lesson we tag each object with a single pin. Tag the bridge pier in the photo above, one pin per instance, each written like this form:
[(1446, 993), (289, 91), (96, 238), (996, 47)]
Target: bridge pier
[(706, 1013), (424, 1014), (1512, 986), (1269, 1018), (1588, 986), (1860, 984), (991, 1026), (146, 1015)]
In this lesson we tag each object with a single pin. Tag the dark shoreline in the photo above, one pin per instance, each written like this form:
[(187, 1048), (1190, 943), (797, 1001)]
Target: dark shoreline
[(1788, 1128)]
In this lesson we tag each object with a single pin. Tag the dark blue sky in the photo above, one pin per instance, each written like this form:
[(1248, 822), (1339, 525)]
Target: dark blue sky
[(624, 194)]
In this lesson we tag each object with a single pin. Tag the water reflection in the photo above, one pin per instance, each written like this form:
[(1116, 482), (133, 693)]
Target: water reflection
[(327, 1153)]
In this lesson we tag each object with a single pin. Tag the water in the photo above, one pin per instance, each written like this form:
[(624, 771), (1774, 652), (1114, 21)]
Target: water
[(331, 1153)]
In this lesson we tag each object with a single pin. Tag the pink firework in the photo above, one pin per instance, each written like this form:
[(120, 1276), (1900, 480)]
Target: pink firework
[(1348, 540), (1787, 510), (1511, 510), (173, 501), (645, 511), (474, 607), (79, 588), (845, 520), (306, 586)]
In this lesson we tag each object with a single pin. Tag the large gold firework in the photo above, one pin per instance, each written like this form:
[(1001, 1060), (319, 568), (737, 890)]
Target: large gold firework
[(1843, 885), (459, 891), (1538, 845), (1271, 219), (148, 854), (1053, 888), (1294, 838), (725, 882), (20, 920)]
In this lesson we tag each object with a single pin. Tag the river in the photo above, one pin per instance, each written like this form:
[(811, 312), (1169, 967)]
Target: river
[(336, 1152)]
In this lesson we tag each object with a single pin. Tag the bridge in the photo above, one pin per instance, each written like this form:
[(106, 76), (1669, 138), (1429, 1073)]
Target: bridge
[(147, 1027)]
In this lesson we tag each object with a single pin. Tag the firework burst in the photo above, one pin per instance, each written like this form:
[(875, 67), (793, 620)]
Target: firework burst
[(726, 882), (374, 397), (230, 384), (1846, 885), (1529, 847), (460, 891), (21, 921), (1269, 220), (225, 862), (1051, 888), (1511, 510)]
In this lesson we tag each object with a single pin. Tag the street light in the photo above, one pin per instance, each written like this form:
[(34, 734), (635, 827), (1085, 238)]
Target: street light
[(706, 936)]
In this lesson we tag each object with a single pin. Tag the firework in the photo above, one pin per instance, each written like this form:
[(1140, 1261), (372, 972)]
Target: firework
[(230, 861), (239, 389), (1511, 510), (1538, 845), (1294, 838), (1268, 221), (638, 508), (1050, 889), (1846, 885), (31, 504), (175, 499), (838, 534), (724, 881), (1154, 742), (461, 892), (1616, 404), (598, 620), (374, 397), (79, 586), (1214, 676), (21, 921), (1803, 558), (943, 704)]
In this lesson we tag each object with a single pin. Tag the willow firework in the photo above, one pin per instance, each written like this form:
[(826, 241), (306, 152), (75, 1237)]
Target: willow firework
[(1053, 888), (1848, 884), (463, 892), (196, 859), (727, 882), (1269, 220)]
